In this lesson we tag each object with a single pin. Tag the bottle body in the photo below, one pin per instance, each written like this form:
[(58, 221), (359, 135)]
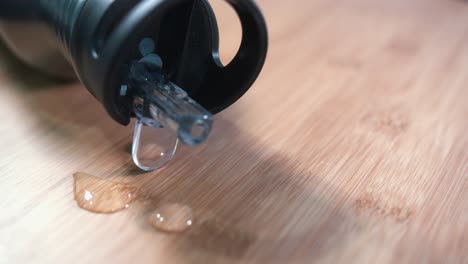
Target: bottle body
[(27, 28)]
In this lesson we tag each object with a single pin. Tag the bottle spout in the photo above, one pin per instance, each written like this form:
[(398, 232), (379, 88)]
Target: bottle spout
[(160, 104)]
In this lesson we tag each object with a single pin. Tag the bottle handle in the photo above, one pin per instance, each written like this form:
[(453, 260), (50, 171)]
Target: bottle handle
[(243, 70)]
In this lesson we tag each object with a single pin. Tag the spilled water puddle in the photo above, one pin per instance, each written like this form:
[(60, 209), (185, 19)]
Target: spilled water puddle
[(103, 196), (173, 217)]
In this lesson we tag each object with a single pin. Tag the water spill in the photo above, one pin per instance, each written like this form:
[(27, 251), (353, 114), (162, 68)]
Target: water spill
[(209, 233), (98, 195), (173, 217)]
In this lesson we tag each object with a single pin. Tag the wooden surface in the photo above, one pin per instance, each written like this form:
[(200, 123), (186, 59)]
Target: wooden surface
[(351, 147)]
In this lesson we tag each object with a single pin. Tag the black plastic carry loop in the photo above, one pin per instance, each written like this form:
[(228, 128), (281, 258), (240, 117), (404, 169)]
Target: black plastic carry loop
[(232, 81)]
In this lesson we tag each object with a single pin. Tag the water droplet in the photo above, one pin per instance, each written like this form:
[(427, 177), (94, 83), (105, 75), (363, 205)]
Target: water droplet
[(101, 196), (172, 217)]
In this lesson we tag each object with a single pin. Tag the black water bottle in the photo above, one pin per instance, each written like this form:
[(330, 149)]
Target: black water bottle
[(134, 55)]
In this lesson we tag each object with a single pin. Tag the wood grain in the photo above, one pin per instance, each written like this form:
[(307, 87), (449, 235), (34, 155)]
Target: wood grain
[(352, 147)]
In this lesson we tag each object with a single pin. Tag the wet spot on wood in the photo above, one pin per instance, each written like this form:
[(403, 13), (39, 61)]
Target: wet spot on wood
[(383, 207), (390, 122)]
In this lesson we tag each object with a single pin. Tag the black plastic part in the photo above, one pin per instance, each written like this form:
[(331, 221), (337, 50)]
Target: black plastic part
[(100, 39)]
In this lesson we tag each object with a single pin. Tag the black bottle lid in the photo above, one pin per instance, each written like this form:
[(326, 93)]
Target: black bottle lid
[(105, 38)]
